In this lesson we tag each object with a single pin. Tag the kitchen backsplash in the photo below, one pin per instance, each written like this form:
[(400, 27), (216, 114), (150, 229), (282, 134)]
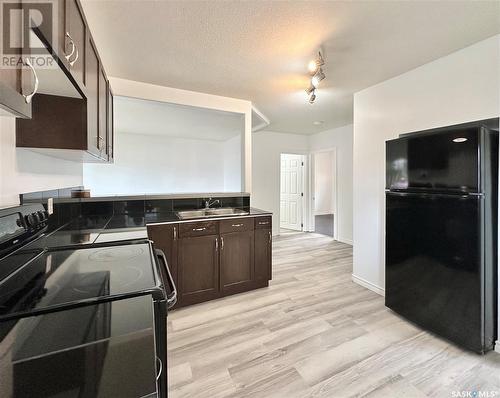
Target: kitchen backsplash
[(66, 207)]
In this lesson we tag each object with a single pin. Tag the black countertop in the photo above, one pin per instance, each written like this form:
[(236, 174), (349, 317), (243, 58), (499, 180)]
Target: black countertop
[(87, 230)]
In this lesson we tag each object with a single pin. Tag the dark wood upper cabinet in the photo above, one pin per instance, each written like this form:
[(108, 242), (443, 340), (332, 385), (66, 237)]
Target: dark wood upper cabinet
[(92, 72), (198, 269), (75, 41), (14, 82), (73, 107), (103, 140), (236, 261), (165, 238), (111, 126)]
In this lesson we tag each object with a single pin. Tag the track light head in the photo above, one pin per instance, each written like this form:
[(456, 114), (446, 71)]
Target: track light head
[(312, 98), (310, 89), (317, 78)]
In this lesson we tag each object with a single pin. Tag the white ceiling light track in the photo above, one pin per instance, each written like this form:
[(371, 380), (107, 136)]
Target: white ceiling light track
[(315, 68)]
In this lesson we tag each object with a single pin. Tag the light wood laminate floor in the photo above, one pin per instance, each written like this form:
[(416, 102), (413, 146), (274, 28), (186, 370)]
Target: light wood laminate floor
[(314, 333)]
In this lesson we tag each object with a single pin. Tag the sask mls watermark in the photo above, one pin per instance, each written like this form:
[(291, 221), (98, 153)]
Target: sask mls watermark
[(19, 42), (475, 394)]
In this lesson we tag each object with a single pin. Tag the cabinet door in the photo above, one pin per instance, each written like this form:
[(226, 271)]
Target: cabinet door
[(165, 239), (111, 132), (198, 269), (236, 261), (76, 29), (92, 78), (263, 256), (14, 82), (102, 141)]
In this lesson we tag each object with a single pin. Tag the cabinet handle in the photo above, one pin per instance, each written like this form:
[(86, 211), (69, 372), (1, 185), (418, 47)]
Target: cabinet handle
[(71, 63), (73, 47), (99, 140), (216, 244), (29, 97), (161, 368), (221, 243), (175, 233), (263, 222), (270, 238), (237, 225), (199, 229)]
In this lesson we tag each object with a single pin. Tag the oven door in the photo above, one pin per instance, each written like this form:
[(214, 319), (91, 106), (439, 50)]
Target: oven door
[(104, 350)]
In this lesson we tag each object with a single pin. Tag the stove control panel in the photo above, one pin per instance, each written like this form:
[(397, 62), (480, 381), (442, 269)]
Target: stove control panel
[(19, 225)]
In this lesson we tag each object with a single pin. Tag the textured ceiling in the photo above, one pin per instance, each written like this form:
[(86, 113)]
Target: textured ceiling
[(137, 116), (259, 50)]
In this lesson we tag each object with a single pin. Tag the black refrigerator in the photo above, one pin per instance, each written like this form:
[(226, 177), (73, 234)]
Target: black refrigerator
[(441, 231)]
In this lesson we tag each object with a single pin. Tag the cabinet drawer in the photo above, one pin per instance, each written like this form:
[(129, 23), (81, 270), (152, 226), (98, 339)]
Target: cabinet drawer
[(199, 228), (236, 225), (263, 222)]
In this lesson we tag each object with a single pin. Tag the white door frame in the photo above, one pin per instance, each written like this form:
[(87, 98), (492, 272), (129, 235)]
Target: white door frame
[(312, 190), (305, 188)]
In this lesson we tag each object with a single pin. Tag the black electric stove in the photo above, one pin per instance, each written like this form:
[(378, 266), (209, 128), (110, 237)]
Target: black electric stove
[(79, 318)]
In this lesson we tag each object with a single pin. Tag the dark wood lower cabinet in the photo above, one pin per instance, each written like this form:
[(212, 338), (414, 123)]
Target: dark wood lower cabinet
[(236, 262), (263, 251), (212, 259), (198, 267), (165, 239)]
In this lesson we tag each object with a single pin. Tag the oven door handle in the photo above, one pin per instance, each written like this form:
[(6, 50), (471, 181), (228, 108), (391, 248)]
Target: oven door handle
[(172, 296)]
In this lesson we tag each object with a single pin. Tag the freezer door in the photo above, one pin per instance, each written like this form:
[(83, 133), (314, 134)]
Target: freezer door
[(440, 162), (434, 264)]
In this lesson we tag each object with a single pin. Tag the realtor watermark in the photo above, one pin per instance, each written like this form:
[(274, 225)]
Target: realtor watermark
[(20, 23), (475, 394)]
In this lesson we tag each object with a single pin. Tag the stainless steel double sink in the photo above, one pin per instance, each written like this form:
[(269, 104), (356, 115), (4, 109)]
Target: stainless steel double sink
[(207, 213)]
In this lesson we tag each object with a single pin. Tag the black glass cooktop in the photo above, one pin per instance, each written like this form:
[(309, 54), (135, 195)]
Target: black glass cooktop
[(62, 278), (81, 231)]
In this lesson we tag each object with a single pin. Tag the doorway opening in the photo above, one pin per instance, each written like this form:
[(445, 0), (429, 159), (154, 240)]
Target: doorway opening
[(292, 192), (324, 193)]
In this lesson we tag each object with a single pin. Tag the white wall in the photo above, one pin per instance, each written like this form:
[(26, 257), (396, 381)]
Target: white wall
[(24, 171), (133, 89), (159, 164), (323, 183), (460, 87), (342, 139), (267, 147), (232, 164)]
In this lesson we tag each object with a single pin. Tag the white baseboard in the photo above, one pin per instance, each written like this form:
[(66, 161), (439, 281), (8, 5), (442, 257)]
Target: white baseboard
[(368, 285), (497, 346), (347, 241)]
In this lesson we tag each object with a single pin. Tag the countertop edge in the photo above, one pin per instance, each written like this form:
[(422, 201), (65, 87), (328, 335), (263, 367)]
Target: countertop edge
[(263, 214), (119, 198)]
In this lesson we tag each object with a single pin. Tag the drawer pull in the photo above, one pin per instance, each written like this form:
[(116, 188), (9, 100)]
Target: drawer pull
[(263, 222), (236, 225), (199, 229)]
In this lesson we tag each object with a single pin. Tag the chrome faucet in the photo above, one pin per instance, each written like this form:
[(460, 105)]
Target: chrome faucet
[(211, 202)]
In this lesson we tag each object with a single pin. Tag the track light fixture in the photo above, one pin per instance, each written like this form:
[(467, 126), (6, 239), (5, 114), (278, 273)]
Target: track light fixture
[(317, 75), (310, 89)]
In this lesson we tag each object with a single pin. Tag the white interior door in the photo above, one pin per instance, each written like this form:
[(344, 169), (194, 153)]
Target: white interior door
[(291, 191)]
